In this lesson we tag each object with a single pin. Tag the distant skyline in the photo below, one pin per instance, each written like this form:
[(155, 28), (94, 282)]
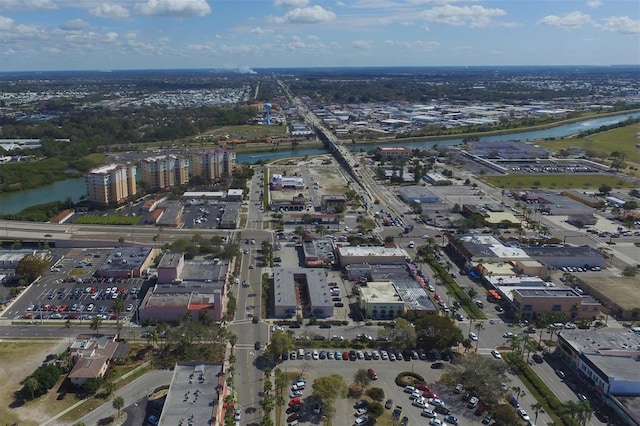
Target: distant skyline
[(41, 35)]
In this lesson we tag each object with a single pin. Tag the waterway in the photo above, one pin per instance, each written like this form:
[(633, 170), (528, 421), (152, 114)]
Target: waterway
[(13, 202)]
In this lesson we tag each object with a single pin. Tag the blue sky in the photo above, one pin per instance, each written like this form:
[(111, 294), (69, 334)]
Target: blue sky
[(142, 34)]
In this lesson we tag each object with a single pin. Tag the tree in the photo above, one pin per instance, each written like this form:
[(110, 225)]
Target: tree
[(479, 326), (96, 323), (402, 335), (436, 332), (326, 390), (604, 189), (537, 409), (517, 390), (32, 386), (482, 375), (585, 412), (472, 292), (506, 415), (109, 387), (118, 404), (91, 385), (375, 409), (280, 343), (118, 307), (361, 378), (32, 266)]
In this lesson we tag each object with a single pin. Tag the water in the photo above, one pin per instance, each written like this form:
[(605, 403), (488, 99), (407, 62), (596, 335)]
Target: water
[(15, 201)]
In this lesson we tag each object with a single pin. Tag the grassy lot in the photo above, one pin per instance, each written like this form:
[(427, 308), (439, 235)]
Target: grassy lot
[(622, 139), (562, 181), (112, 219)]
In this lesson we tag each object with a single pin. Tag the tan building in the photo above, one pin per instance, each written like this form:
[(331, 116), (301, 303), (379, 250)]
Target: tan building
[(211, 165), (92, 356), (380, 300), (111, 184), (530, 302), (165, 171)]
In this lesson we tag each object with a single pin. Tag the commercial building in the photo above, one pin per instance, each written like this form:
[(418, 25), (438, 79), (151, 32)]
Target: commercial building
[(391, 153), (111, 184), (334, 202), (418, 194), (127, 262), (348, 255), (165, 171), (470, 249), (279, 182), (300, 286), (195, 395), (380, 300), (559, 256), (619, 295), (605, 359), (437, 179), (213, 165), (528, 303)]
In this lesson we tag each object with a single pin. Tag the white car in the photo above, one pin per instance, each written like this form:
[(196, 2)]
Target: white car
[(315, 355), (436, 402), (237, 414), (473, 336), (496, 354), (427, 412), (384, 355), (436, 422), (360, 411), (523, 414), (419, 402)]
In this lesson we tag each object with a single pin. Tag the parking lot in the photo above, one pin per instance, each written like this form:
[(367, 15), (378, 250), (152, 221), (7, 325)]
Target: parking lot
[(386, 371), (70, 291)]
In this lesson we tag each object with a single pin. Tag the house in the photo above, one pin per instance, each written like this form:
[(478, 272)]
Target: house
[(92, 356)]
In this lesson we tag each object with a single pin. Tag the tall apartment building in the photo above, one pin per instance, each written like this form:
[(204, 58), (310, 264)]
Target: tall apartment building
[(211, 165), (165, 171), (109, 184)]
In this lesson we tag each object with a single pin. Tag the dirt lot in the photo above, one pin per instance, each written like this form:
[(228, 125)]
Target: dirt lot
[(17, 360)]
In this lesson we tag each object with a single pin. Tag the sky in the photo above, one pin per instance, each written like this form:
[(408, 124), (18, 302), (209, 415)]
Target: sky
[(45, 35)]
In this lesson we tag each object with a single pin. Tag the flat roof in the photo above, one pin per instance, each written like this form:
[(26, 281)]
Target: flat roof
[(600, 341), (514, 280), (414, 295), (563, 251), (193, 394), (125, 258), (212, 274), (284, 286), (497, 217), (547, 292), (623, 291), (170, 260), (380, 292), (488, 245), (372, 251)]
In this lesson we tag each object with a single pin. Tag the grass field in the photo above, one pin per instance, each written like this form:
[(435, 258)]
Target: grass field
[(112, 219), (622, 139), (590, 181)]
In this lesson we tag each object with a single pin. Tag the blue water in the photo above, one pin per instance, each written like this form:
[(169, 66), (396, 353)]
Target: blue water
[(15, 201)]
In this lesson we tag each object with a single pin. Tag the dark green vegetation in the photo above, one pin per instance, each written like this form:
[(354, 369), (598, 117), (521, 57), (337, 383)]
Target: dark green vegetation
[(40, 212), (39, 382), (198, 245), (112, 219)]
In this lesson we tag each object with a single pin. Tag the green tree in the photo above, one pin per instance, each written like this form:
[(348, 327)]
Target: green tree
[(537, 409), (118, 307), (436, 332), (326, 390), (109, 387), (280, 343), (32, 386), (361, 378), (377, 394), (96, 323), (118, 404), (479, 326), (32, 266), (402, 335), (375, 409), (504, 414), (91, 385)]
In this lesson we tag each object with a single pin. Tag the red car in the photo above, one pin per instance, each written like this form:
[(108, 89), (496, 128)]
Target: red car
[(345, 356), (62, 308), (294, 416), (294, 401), (372, 374), (422, 387), (430, 394)]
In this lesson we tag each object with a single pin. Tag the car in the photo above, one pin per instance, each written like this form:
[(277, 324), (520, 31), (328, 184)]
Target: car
[(487, 419), (362, 420), (257, 346), (153, 419), (473, 336), (362, 410), (295, 394), (409, 389), (316, 408), (325, 325), (294, 401), (404, 421), (450, 419), (538, 358), (442, 410), (458, 388), (419, 402), (499, 309), (292, 417), (530, 330), (295, 325), (427, 412), (473, 402), (361, 403), (523, 414), (560, 374), (496, 354), (437, 365), (582, 397), (372, 374), (459, 317), (514, 401), (435, 422), (237, 414), (416, 394), (436, 402), (396, 412), (294, 408), (479, 304), (388, 404)]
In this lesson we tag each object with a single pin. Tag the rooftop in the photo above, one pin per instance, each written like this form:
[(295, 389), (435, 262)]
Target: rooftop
[(486, 245), (603, 341), (380, 292), (125, 258), (284, 281), (547, 292), (372, 251), (193, 394), (622, 291)]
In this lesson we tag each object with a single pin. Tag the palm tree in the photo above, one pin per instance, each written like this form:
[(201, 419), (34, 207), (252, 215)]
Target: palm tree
[(519, 392), (516, 343), (67, 325), (96, 322), (118, 404), (32, 385), (573, 408), (537, 408), (585, 412), (118, 307), (479, 326)]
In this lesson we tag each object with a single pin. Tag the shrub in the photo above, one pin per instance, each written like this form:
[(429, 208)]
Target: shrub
[(377, 394), (407, 378)]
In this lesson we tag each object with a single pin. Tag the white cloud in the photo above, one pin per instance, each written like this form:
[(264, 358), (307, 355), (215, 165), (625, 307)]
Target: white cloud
[(362, 44), (111, 37), (176, 8), (474, 16), (74, 25), (570, 20), (5, 23), (107, 10), (306, 15), (291, 3), (414, 45), (621, 24), (26, 4), (261, 31), (594, 3)]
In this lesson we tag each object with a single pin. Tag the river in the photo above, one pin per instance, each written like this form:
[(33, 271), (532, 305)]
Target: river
[(13, 202)]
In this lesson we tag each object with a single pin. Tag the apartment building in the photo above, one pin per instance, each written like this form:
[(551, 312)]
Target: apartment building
[(211, 165), (165, 171), (111, 184)]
